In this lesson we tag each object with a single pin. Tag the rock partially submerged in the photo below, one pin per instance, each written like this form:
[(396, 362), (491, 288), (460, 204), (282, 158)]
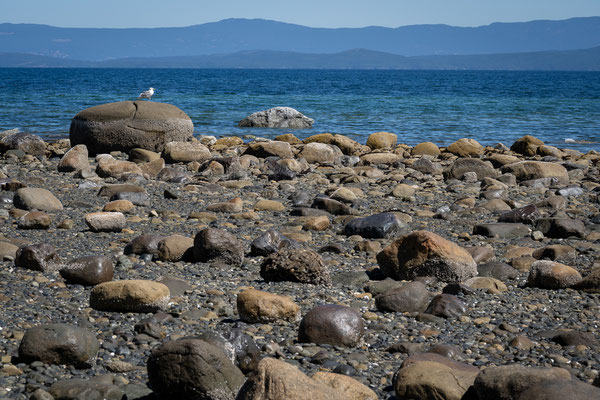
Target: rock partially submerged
[(278, 117)]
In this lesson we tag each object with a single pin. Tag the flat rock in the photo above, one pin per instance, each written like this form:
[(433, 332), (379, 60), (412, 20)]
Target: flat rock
[(93, 388), (129, 296), (410, 297), (561, 390), (498, 270), (30, 198), (501, 230), (105, 221), (127, 125), (529, 170), (186, 152)]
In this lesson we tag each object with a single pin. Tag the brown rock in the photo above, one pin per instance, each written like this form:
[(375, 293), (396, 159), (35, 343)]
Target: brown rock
[(426, 148), (123, 206), (269, 205), (34, 220), (231, 206), (331, 324), (527, 145), (295, 265), (527, 170), (552, 275), (175, 248), (88, 270), (268, 149), (423, 253), (175, 152), (105, 221), (129, 296), (76, 159), (466, 148), (258, 306), (30, 198), (351, 388), (382, 140)]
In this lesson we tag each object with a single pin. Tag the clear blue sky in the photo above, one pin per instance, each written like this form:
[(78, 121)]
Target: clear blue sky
[(316, 13)]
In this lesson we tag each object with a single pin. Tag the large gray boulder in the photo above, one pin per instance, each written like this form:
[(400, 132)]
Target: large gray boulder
[(127, 125), (26, 142), (278, 117)]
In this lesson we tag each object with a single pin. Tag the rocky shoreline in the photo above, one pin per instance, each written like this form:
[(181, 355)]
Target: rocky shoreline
[(373, 271)]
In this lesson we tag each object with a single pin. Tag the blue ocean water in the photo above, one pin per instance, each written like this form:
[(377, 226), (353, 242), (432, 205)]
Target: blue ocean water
[(437, 106)]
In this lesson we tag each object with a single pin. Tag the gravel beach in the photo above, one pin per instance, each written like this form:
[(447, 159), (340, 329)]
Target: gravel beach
[(472, 258)]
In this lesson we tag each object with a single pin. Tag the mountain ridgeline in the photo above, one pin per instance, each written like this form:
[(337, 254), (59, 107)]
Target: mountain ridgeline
[(572, 44)]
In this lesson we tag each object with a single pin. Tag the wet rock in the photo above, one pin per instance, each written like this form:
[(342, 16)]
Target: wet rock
[(446, 306), (217, 245), (423, 253), (88, 270), (552, 275), (510, 381), (129, 296), (277, 117), (192, 369), (37, 257), (30, 198), (59, 344), (410, 297), (270, 242), (374, 226), (331, 324), (127, 125), (295, 265), (258, 306)]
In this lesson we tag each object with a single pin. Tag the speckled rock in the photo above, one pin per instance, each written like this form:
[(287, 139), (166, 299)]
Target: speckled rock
[(218, 245), (295, 265), (105, 221), (552, 275)]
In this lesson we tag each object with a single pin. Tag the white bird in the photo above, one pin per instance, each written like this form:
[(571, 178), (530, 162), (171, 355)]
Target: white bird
[(147, 94)]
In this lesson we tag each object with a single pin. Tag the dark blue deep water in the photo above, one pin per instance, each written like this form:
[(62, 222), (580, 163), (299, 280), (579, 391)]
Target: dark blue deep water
[(437, 106)]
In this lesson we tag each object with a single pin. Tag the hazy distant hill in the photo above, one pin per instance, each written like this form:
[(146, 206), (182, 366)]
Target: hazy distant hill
[(235, 35), (572, 60)]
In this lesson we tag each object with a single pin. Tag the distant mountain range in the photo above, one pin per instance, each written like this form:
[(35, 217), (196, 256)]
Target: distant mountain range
[(572, 60), (571, 44)]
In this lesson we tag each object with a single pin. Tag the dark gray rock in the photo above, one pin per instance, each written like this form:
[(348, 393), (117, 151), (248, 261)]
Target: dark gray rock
[(295, 265), (270, 242), (277, 117), (59, 344), (561, 228), (331, 324), (26, 142), (374, 226), (497, 270), (37, 257), (446, 306), (144, 244), (85, 389), (377, 288), (562, 390), (501, 230), (88, 270), (332, 206), (526, 215), (193, 369), (510, 381), (575, 338), (238, 346), (127, 125), (217, 245), (111, 190), (456, 288), (410, 297), (461, 166)]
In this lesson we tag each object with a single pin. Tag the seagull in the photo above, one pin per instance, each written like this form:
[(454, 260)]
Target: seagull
[(147, 94)]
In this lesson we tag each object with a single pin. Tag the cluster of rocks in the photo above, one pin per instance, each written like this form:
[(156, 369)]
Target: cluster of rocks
[(170, 267)]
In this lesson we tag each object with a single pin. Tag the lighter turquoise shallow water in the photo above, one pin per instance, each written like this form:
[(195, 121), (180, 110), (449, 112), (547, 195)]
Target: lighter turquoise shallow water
[(437, 106)]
